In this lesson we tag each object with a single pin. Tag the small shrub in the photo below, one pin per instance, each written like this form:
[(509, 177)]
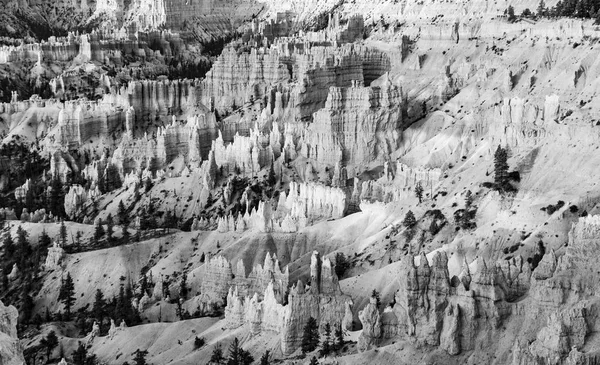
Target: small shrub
[(199, 342)]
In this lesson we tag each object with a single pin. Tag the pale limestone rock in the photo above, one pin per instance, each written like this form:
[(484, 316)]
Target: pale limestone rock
[(54, 257), (289, 320), (11, 352), (75, 199), (372, 114), (449, 337), (371, 321), (112, 330), (89, 339), (21, 191), (13, 273), (389, 323)]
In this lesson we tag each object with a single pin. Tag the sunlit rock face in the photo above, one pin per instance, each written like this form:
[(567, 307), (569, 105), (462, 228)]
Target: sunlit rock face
[(217, 276), (323, 300), (11, 352), (358, 125), (553, 304)]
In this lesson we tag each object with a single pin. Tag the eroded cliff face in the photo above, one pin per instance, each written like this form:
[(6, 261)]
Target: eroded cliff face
[(358, 126), (11, 352), (566, 307), (322, 300), (553, 309), (215, 278)]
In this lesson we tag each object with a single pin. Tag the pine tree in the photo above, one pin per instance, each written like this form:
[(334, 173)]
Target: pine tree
[(140, 357), (80, 355), (272, 179), (500, 168), (23, 247), (237, 355), (217, 355), (9, 246), (183, 289), (78, 238), (341, 264), (339, 337), (326, 346), (67, 295), (511, 14), (44, 240), (541, 9), (310, 336), (56, 198), (27, 307), (144, 285), (125, 233), (63, 233), (109, 228), (375, 294), (98, 229), (121, 305), (419, 192), (264, 360), (147, 184), (99, 308), (49, 342), (410, 222), (122, 214), (234, 353), (113, 179)]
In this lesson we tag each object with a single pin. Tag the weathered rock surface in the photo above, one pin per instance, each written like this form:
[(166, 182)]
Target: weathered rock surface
[(10, 348), (216, 276), (371, 321), (323, 301), (358, 125)]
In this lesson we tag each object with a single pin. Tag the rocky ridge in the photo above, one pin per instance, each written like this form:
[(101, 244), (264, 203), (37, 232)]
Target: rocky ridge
[(11, 352), (322, 300)]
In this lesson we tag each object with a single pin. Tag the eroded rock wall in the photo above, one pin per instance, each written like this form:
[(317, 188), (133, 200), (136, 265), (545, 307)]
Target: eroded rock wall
[(323, 300), (11, 352)]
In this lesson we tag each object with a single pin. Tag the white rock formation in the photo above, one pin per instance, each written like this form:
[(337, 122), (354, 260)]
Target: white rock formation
[(11, 352)]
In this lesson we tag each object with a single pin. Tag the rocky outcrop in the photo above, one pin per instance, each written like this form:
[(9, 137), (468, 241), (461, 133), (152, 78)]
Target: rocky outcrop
[(554, 307), (54, 257), (323, 300), (312, 201), (371, 321), (236, 79), (246, 155), (305, 204), (563, 305), (79, 121), (358, 125), (217, 275), (435, 310), (397, 182), (11, 352), (239, 79)]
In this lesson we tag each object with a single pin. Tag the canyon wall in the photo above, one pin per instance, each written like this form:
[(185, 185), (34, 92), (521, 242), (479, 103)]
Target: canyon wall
[(217, 275), (11, 352), (99, 46), (357, 126), (322, 300), (553, 309)]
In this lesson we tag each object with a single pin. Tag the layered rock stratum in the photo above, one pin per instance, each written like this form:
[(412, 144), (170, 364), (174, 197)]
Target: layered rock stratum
[(230, 169)]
